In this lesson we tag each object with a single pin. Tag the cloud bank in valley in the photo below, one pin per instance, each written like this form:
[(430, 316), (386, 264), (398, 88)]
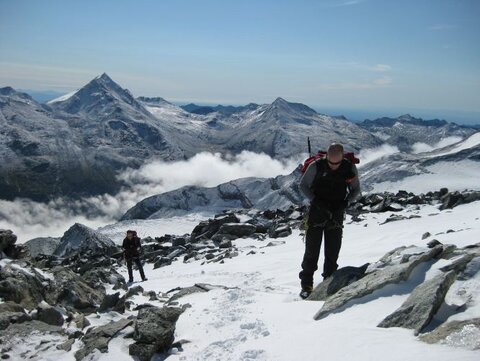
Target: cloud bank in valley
[(372, 154), (28, 219), (445, 142)]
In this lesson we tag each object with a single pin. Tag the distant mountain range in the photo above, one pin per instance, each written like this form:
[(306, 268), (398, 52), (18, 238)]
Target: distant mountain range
[(77, 144)]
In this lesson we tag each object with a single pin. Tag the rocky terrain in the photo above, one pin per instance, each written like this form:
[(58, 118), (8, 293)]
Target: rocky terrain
[(70, 299)]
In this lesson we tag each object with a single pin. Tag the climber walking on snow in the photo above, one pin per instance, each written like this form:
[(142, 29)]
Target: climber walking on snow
[(330, 183), (131, 250)]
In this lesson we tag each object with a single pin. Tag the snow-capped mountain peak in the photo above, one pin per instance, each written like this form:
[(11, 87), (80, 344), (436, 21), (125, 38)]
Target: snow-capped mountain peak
[(96, 97)]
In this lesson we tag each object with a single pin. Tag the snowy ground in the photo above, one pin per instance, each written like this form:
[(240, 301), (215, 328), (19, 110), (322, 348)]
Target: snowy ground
[(262, 318), (153, 227), (457, 176)]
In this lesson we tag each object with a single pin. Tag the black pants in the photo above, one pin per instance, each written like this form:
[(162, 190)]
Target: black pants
[(130, 270), (322, 223)]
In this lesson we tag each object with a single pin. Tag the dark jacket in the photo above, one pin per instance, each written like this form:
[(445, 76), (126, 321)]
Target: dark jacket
[(331, 188), (131, 248)]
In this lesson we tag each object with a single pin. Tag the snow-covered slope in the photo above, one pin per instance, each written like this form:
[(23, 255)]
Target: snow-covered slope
[(279, 192), (413, 134), (455, 166), (259, 316)]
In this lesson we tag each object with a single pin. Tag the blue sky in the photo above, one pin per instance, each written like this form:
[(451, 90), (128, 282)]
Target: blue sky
[(342, 54)]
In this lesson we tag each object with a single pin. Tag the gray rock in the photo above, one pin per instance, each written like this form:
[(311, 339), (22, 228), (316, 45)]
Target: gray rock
[(50, 315), (279, 231), (426, 235), (7, 240), (396, 267), (154, 331), (42, 245), (339, 279), (132, 291), (180, 241), (8, 317), (206, 229), (81, 321), (422, 304), (16, 332), (161, 262), (237, 229), (456, 333), (459, 264), (22, 285), (10, 306), (471, 269), (187, 291), (98, 276), (143, 351), (433, 243), (99, 337), (109, 302), (66, 346), (79, 239), (72, 292)]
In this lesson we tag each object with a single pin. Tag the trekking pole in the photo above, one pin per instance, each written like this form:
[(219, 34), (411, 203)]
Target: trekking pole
[(309, 147)]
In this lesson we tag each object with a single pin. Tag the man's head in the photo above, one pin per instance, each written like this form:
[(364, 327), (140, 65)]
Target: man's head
[(335, 155), (131, 234)]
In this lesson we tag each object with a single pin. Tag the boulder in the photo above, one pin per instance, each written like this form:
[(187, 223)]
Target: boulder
[(81, 321), (339, 279), (50, 315), (206, 229), (279, 231), (98, 276), (394, 267), (188, 291), (42, 245), (464, 334), (19, 336), (8, 317), (21, 284), (422, 304), (109, 302), (7, 240), (460, 264), (72, 292), (154, 331), (99, 337), (161, 262), (80, 239), (10, 306), (66, 346), (237, 230)]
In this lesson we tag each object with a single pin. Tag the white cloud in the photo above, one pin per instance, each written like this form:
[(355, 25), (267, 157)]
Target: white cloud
[(382, 67), (445, 142), (28, 219), (369, 155)]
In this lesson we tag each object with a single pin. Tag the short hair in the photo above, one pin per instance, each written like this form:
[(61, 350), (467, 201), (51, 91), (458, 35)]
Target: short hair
[(335, 149)]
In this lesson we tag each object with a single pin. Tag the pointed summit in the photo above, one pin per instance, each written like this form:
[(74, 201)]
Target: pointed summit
[(99, 97), (280, 101), (282, 105)]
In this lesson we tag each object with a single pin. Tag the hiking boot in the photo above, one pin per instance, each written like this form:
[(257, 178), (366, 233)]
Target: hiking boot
[(144, 279), (306, 291)]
